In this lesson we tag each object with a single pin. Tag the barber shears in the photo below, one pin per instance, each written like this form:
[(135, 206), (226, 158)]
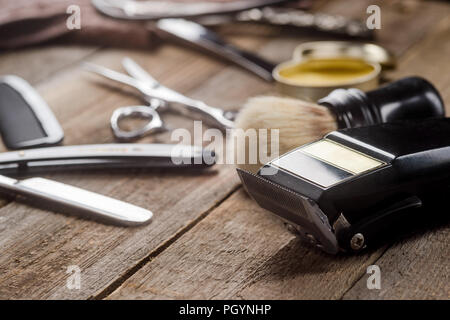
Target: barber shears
[(158, 98)]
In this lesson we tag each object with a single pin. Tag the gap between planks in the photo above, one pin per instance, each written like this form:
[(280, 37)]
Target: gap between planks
[(120, 280), (437, 40), (24, 70), (94, 262), (379, 255)]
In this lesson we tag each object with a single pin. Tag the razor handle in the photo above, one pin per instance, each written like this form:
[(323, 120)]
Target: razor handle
[(105, 156), (25, 119)]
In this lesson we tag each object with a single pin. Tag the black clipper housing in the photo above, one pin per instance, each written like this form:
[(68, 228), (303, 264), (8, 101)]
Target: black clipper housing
[(348, 190), (405, 99)]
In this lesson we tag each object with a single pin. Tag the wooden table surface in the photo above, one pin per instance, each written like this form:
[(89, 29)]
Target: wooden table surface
[(208, 239)]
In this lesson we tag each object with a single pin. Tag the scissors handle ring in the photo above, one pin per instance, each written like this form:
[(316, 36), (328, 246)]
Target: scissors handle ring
[(155, 123)]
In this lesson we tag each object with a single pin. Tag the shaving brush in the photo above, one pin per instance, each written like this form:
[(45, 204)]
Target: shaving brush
[(300, 122)]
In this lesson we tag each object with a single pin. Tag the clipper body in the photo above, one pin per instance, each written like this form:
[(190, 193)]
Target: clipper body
[(353, 187)]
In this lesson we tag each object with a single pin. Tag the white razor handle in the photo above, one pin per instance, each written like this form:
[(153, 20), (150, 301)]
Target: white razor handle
[(62, 196)]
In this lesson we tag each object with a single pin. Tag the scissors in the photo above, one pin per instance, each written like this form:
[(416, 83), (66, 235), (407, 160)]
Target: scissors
[(158, 98)]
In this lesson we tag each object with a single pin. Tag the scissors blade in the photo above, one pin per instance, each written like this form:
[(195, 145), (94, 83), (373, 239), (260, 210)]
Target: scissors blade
[(114, 75), (137, 72), (160, 92)]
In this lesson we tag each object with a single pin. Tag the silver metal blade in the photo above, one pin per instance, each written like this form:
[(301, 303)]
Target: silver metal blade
[(113, 75), (136, 71), (197, 35), (53, 133), (63, 196), (106, 156)]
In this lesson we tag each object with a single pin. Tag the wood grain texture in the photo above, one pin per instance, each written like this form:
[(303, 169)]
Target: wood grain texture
[(198, 265), (403, 23), (28, 64), (429, 58), (203, 242), (241, 251), (419, 267), (36, 64), (37, 246), (212, 260)]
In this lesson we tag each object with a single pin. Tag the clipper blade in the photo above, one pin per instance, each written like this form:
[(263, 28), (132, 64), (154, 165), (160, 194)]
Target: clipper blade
[(298, 210)]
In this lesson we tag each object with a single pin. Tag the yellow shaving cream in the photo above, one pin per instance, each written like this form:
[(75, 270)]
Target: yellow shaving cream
[(326, 72)]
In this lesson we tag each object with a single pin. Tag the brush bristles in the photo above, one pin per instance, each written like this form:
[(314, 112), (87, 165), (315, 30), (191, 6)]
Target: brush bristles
[(298, 122)]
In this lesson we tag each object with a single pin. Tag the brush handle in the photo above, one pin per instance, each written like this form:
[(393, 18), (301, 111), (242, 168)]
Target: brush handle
[(405, 99)]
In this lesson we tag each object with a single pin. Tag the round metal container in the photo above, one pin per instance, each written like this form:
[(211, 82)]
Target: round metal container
[(375, 57), (327, 49), (315, 91)]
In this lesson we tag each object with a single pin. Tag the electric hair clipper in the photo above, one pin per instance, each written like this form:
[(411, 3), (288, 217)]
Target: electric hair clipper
[(355, 186)]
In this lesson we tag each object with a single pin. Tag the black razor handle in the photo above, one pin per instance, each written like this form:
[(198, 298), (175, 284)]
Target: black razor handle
[(25, 119), (406, 99), (17, 120)]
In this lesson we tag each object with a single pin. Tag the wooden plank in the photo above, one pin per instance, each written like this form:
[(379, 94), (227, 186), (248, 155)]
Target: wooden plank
[(37, 63), (239, 251), (37, 246), (403, 23), (418, 267), (429, 59), (77, 103), (415, 268), (84, 113)]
